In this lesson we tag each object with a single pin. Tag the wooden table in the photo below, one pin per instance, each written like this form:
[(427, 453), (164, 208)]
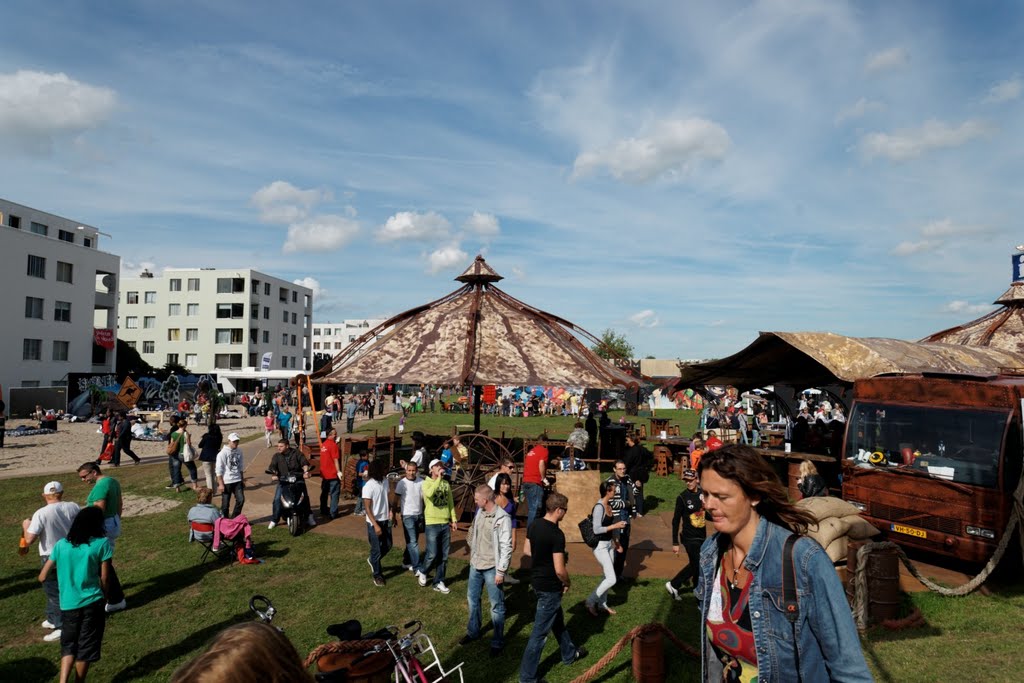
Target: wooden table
[(658, 425)]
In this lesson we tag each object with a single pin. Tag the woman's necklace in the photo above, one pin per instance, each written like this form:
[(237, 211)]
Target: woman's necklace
[(736, 567)]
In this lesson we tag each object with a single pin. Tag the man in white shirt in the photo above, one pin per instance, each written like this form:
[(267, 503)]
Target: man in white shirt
[(378, 519), (48, 525), (229, 470), (410, 492)]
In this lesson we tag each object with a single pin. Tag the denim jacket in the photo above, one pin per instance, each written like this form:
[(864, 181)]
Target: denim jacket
[(829, 647)]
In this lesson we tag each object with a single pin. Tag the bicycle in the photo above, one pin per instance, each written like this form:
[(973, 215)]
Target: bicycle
[(407, 647)]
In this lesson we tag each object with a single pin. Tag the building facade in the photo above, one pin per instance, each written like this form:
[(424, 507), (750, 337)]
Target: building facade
[(61, 298), (246, 326), (330, 338)]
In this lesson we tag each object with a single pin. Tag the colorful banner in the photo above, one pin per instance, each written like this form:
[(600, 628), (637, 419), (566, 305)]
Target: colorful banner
[(267, 357), (104, 338)]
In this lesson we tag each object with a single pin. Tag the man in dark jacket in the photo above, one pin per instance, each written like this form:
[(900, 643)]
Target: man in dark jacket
[(289, 462), (638, 466), (624, 509), (690, 511)]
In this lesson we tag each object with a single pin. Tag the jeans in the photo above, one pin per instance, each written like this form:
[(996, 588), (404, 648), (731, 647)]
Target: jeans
[(379, 545), (330, 490), (478, 578), (549, 619), (236, 489), (303, 508), (534, 499), (193, 473), (605, 554), (620, 558), (350, 424), (52, 592), (411, 556), (174, 466), (438, 538)]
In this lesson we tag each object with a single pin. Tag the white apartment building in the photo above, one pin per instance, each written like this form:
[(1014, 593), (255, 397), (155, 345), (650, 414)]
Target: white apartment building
[(61, 290), (219, 320), (330, 338)]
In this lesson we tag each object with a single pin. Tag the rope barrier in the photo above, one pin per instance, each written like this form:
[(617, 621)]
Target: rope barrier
[(636, 632), (342, 646)]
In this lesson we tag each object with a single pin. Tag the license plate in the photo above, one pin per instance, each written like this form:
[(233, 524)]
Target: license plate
[(909, 530)]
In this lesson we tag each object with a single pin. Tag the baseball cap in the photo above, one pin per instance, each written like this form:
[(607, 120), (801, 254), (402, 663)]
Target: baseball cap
[(433, 462), (52, 487), (233, 436), (689, 474)]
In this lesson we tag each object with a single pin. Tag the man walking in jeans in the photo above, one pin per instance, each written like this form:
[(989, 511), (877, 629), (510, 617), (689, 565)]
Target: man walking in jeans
[(534, 467), (490, 551), (545, 543), (378, 519), (439, 514), (409, 491)]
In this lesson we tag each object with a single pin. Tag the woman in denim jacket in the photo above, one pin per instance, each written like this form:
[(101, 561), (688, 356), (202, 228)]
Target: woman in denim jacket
[(747, 635)]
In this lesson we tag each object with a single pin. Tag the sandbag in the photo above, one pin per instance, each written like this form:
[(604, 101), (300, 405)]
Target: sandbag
[(837, 549), (827, 506), (859, 529), (828, 530)]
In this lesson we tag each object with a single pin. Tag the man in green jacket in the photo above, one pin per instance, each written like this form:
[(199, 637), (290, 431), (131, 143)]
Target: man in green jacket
[(440, 520)]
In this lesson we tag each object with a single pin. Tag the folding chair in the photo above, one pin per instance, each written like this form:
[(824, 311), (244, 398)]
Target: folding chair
[(202, 533)]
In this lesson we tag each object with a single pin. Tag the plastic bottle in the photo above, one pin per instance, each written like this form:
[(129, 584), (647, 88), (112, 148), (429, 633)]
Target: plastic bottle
[(22, 546)]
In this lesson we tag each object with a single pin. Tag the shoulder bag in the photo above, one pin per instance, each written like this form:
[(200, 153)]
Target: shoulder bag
[(188, 454)]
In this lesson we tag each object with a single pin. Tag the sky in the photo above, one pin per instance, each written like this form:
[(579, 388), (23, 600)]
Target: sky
[(684, 173)]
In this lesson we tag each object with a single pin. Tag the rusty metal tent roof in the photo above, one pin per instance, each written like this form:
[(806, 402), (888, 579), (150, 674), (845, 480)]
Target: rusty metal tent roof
[(810, 359), (476, 335), (1002, 329)]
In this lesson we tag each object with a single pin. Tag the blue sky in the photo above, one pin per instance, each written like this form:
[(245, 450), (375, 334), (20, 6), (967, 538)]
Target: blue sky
[(686, 173)]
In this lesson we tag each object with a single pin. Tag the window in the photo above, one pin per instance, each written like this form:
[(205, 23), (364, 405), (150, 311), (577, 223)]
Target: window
[(230, 285), (308, 300), (87, 242), (173, 309), (337, 345), (254, 335), (284, 339), (316, 346), (285, 317), (254, 312), (282, 295), (65, 272), (14, 221), (293, 362), (174, 334), (284, 361), (172, 359), (130, 343), (231, 335), (132, 297), (192, 309), (193, 286), (266, 289), (228, 360), (65, 236), (295, 319), (29, 384), (293, 340), (192, 334), (36, 266), (32, 349), (337, 331), (131, 322), (316, 331), (255, 286), (62, 312), (149, 322), (33, 307), (191, 360), (39, 228), (253, 360), (266, 312), (150, 297), (176, 284), (60, 350), (149, 347), (351, 337), (305, 321), (266, 336), (295, 300), (230, 310)]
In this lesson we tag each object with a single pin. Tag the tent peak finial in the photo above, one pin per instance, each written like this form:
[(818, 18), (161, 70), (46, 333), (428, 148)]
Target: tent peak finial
[(479, 272)]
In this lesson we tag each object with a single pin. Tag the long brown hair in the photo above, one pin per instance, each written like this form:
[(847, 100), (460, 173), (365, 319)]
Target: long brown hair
[(751, 471), (246, 652)]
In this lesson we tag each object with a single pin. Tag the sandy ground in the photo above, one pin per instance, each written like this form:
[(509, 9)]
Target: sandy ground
[(78, 442)]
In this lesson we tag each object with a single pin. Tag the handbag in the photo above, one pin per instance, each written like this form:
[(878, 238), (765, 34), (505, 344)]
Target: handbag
[(587, 532), (172, 446), (188, 454)]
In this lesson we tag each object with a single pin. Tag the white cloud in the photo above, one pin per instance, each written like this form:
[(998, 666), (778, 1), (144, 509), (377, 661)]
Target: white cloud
[(673, 146), (320, 234), (311, 282), (964, 307), (910, 144), (886, 60), (410, 225), (482, 224), (936, 235), (446, 257), (1005, 91), (282, 202), (920, 247), (645, 318), (37, 106), (858, 109)]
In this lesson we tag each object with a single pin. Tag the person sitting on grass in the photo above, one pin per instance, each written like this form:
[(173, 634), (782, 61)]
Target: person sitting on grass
[(82, 563)]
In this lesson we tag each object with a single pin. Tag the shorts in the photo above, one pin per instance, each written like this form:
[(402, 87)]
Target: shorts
[(81, 633)]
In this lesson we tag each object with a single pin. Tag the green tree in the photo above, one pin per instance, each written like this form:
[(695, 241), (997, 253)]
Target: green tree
[(613, 345), (129, 362)]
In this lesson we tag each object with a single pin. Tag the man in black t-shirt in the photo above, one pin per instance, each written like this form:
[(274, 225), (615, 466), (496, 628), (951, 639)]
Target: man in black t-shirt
[(545, 543), (690, 511)]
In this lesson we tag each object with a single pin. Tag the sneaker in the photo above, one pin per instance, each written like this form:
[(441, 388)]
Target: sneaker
[(511, 580), (378, 581), (466, 639), (171, 487), (581, 652), (47, 624), (408, 566), (311, 521), (116, 607), (672, 591), (272, 525), (422, 578), (52, 636), (441, 588)]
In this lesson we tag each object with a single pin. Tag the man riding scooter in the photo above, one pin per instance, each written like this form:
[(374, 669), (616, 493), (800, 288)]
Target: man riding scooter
[(289, 463)]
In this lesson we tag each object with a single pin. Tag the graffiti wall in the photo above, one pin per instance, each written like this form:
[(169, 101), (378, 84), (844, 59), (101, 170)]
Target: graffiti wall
[(153, 393)]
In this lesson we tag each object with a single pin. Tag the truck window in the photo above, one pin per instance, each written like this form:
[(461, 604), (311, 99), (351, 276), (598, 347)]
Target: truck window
[(961, 445)]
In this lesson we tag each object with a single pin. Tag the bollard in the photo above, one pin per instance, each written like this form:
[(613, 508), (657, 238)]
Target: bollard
[(649, 658)]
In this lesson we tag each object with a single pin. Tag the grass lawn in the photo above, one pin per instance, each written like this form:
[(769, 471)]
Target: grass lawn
[(176, 605)]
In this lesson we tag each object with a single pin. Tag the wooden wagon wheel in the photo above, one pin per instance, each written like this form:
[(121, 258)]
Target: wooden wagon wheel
[(485, 456)]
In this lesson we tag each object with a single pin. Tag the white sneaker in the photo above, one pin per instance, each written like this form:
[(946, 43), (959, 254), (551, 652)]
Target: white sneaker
[(272, 525), (116, 607), (672, 591), (422, 578), (441, 588), (52, 636), (312, 521), (47, 624), (407, 566)]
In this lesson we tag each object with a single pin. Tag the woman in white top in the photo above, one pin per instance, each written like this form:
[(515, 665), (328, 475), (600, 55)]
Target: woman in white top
[(607, 545)]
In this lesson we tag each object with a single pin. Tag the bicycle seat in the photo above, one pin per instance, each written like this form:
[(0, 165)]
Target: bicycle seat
[(349, 630)]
